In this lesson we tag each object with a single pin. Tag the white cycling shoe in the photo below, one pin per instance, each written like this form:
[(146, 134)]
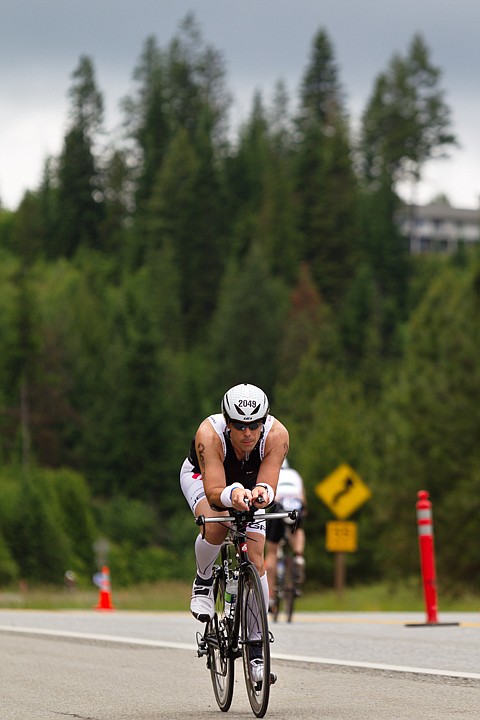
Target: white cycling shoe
[(256, 669), (202, 604)]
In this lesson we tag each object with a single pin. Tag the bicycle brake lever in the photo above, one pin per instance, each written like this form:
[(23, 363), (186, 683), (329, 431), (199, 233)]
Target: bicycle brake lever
[(250, 506), (200, 520), (295, 516)]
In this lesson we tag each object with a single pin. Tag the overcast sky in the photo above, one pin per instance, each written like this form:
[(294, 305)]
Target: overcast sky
[(262, 41)]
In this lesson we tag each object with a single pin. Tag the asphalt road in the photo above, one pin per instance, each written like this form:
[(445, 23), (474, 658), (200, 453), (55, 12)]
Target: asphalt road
[(110, 666)]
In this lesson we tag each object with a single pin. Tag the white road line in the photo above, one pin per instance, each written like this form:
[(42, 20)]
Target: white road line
[(378, 666), (101, 638), (276, 656)]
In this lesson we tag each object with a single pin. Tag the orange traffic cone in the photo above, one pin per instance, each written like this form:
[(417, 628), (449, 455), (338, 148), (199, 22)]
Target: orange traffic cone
[(105, 595)]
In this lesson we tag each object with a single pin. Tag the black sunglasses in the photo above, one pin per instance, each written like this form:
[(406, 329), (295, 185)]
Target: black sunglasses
[(244, 426)]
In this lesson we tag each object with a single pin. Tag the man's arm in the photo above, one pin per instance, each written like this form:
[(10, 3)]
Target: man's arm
[(210, 457), (276, 449)]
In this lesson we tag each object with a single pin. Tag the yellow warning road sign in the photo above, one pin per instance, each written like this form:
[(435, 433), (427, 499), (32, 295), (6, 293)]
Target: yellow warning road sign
[(343, 491), (341, 536)]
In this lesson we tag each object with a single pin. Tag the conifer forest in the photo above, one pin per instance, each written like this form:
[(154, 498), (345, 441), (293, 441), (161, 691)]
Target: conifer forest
[(158, 265)]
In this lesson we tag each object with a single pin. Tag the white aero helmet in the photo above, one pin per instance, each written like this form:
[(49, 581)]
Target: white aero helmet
[(245, 402)]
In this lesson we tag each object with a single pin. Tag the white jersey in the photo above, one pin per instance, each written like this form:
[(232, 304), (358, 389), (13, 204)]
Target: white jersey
[(290, 485)]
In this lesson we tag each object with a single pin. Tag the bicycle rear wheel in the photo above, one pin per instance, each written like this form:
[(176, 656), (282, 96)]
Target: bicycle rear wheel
[(289, 590), (276, 605), (278, 597), (255, 639), (221, 662)]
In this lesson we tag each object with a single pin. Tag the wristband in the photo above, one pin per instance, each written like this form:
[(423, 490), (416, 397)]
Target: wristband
[(269, 489), (226, 494)]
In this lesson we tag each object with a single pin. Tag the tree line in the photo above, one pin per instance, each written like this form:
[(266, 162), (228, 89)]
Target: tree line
[(149, 272)]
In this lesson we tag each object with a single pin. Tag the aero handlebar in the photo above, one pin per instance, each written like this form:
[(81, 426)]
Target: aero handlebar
[(247, 516)]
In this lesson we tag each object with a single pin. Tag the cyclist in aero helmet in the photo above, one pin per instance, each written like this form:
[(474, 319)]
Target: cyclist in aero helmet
[(245, 402), (236, 455)]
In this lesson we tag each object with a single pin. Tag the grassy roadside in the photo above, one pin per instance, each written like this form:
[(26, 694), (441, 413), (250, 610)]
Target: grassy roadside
[(175, 596)]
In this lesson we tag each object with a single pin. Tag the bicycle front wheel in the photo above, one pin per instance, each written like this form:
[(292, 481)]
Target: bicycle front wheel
[(221, 662), (255, 640)]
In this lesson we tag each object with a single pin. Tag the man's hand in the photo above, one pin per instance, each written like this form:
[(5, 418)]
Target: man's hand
[(260, 497), (263, 494), (238, 498)]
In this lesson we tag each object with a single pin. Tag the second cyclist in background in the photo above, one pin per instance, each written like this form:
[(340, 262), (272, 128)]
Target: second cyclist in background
[(290, 495)]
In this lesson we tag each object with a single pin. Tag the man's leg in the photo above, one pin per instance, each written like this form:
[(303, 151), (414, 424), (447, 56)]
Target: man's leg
[(297, 543), (271, 566), (202, 605)]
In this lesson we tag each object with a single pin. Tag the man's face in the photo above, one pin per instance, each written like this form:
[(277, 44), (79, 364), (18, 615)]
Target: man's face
[(244, 436)]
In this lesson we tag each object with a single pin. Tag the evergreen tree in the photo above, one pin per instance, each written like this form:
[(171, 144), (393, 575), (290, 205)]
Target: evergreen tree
[(196, 91), (260, 188), (309, 330), (117, 205), (321, 96), (361, 324), (82, 356), (247, 326), (326, 185), (177, 122), (431, 424), (277, 220), (146, 118), (29, 229), (21, 366), (74, 502), (406, 122), (246, 166), (385, 261), (180, 87), (6, 222), (38, 517), (8, 566), (79, 194), (181, 217)]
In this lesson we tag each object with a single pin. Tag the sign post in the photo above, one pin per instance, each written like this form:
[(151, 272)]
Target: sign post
[(341, 537), (343, 492)]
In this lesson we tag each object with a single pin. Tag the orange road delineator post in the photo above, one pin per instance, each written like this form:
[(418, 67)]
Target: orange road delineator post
[(427, 561), (105, 594)]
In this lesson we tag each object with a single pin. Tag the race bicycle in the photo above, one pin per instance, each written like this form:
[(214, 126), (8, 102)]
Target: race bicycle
[(239, 627), (289, 581), (288, 585)]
